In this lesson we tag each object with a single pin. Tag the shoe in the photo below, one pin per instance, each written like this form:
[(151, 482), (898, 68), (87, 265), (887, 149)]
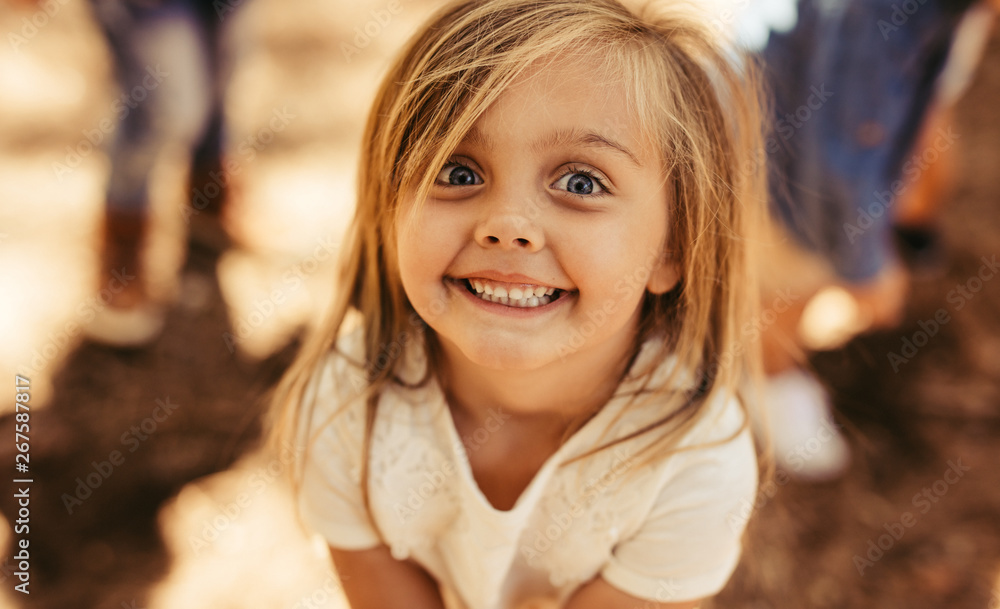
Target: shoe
[(807, 442), (126, 316)]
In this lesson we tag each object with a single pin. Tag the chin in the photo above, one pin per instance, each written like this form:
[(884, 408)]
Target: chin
[(495, 355)]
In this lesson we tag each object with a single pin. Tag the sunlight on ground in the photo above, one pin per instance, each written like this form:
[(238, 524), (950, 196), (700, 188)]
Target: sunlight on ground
[(51, 81), (316, 189), (48, 263), (830, 319), (235, 542), (31, 85), (286, 279)]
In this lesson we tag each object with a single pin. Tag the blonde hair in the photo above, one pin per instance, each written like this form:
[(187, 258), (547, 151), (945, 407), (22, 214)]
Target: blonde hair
[(695, 98)]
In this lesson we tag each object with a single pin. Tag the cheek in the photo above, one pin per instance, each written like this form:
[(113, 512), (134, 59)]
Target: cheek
[(416, 263), (614, 264), (623, 253), (426, 245), (647, 238)]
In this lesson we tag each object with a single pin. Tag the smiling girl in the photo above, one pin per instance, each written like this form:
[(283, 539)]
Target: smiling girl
[(526, 395)]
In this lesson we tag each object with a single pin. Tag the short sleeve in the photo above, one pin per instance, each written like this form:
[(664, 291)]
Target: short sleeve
[(330, 500), (690, 543)]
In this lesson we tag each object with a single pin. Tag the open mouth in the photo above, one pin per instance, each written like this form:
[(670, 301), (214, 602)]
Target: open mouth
[(523, 296)]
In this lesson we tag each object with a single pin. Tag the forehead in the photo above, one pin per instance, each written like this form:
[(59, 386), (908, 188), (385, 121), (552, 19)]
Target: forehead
[(576, 95)]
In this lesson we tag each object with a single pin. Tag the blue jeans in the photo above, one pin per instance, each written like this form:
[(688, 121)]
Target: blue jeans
[(165, 66)]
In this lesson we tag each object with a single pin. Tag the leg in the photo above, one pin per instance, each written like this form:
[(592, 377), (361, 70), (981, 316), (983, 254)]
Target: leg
[(160, 59)]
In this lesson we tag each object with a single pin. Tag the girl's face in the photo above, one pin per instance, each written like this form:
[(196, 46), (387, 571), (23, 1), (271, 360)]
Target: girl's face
[(543, 230)]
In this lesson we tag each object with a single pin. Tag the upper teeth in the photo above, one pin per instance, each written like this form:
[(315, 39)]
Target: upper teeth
[(519, 296)]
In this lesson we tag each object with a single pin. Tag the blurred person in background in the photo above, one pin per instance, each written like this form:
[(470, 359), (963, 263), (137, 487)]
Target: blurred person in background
[(166, 59), (860, 91)]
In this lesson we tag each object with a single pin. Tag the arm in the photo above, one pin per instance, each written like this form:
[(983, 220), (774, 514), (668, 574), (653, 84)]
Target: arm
[(599, 594), (373, 579)]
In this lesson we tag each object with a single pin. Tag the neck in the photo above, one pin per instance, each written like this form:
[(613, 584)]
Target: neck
[(555, 399)]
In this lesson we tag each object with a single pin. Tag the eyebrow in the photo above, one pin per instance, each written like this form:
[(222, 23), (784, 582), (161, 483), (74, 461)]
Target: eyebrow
[(562, 137)]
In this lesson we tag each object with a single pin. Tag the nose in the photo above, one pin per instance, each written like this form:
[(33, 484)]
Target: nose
[(509, 227)]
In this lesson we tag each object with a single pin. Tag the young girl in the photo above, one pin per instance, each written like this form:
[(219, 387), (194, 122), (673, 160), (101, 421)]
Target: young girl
[(526, 396)]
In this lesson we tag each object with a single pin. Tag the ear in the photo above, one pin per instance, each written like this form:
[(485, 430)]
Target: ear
[(663, 277)]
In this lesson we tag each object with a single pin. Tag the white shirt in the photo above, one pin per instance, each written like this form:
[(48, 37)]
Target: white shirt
[(667, 531)]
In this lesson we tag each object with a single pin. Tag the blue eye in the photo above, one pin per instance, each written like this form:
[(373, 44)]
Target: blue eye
[(454, 174), (581, 182)]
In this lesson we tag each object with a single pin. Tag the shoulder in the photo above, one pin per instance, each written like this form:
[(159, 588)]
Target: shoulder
[(717, 458), (332, 436), (690, 535), (657, 384), (711, 458), (333, 401), (340, 373), (723, 417), (338, 390), (713, 454)]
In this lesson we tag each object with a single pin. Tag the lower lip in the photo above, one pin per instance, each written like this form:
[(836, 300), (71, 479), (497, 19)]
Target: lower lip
[(502, 309)]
